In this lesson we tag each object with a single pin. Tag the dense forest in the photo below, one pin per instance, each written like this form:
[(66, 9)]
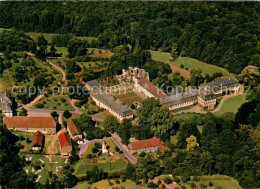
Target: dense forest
[(221, 33)]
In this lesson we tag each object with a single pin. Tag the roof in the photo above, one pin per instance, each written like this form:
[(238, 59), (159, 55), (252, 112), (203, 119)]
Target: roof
[(37, 138), (179, 98), (78, 138), (30, 122), (64, 140), (145, 143), (151, 88), (222, 82), (74, 129), (93, 84)]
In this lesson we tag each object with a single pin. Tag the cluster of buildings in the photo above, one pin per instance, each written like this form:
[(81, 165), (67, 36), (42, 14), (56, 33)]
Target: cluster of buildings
[(45, 125), (139, 81)]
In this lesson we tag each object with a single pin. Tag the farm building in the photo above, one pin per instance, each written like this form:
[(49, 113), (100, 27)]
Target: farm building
[(37, 141), (31, 124), (149, 145), (65, 144), (148, 89), (108, 102), (223, 85), (74, 132)]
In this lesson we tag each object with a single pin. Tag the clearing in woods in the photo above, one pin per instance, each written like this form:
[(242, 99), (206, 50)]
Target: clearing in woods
[(189, 63)]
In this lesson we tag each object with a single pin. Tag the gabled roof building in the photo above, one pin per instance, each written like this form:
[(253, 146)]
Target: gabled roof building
[(223, 85), (37, 141), (31, 124), (108, 102), (149, 145), (74, 131), (148, 88), (65, 144)]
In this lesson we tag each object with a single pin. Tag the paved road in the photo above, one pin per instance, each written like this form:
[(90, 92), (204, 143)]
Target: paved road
[(83, 147), (124, 148)]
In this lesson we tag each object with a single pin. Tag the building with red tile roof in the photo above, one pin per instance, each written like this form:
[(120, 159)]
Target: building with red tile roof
[(31, 124), (65, 144), (74, 131), (37, 141), (149, 145), (148, 88)]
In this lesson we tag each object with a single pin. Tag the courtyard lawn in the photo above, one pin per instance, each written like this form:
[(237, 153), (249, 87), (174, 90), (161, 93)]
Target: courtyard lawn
[(222, 181), (231, 104), (54, 103), (83, 165), (129, 98), (189, 63)]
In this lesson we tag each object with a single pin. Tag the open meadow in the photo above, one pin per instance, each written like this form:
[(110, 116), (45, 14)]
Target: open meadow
[(189, 63)]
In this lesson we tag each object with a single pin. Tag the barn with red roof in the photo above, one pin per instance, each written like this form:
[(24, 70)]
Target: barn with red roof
[(31, 124), (65, 144), (37, 141), (149, 145)]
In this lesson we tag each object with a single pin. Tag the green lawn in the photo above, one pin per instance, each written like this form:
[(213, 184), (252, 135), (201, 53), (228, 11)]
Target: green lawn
[(189, 63), (105, 184), (102, 116), (55, 103), (62, 50), (129, 98), (223, 181), (231, 104), (185, 116), (83, 165)]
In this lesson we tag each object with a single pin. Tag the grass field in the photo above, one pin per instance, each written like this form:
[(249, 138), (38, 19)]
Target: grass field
[(222, 181), (105, 184), (55, 103), (83, 165), (189, 63), (62, 50), (231, 104), (129, 98)]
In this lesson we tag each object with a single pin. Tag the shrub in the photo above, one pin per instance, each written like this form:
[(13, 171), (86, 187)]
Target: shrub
[(168, 180), (63, 100), (203, 185), (142, 154), (196, 179), (181, 66), (211, 184), (185, 178), (117, 181), (67, 114), (117, 149), (193, 185)]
